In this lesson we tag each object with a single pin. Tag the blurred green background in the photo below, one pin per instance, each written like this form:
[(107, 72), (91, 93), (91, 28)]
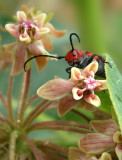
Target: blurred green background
[(99, 25)]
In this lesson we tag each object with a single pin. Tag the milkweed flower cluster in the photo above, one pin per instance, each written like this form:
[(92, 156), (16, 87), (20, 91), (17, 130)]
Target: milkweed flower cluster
[(30, 28), (33, 32), (103, 139), (70, 93), (107, 137), (100, 139)]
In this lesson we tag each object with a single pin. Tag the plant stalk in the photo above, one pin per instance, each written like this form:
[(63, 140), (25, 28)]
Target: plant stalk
[(3, 101), (80, 114), (12, 145), (39, 125), (32, 146), (9, 98), (41, 107), (34, 97), (59, 128), (25, 92)]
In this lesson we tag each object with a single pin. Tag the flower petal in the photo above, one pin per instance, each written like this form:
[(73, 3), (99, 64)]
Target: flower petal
[(13, 30), (55, 89), (66, 104), (91, 69), (56, 33), (5, 55), (25, 38), (21, 16), (86, 106), (94, 143), (77, 154), (118, 150), (102, 85), (20, 55), (41, 32), (36, 48), (39, 20), (92, 99), (77, 93), (105, 156), (117, 137), (108, 127), (76, 74), (47, 42)]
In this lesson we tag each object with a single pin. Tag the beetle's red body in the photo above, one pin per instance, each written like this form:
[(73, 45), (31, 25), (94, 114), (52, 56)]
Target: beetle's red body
[(74, 56)]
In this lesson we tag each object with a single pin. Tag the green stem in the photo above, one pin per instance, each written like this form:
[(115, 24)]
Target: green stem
[(12, 145), (21, 96), (80, 114), (9, 97), (7, 121), (51, 147), (62, 128), (32, 146), (31, 100), (3, 100), (23, 102), (39, 125), (42, 106)]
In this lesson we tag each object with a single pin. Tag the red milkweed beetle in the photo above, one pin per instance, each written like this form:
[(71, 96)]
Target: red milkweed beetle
[(79, 59)]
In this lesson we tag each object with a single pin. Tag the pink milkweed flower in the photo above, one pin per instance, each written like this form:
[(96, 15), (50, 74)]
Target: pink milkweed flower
[(33, 34), (106, 138), (70, 93), (77, 154), (30, 28)]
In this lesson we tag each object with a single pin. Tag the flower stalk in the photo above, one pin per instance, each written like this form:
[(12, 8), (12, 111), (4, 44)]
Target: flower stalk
[(50, 146), (25, 92), (41, 107), (80, 114), (3, 100), (33, 147), (37, 126), (60, 128), (7, 121), (34, 97), (12, 145), (9, 98)]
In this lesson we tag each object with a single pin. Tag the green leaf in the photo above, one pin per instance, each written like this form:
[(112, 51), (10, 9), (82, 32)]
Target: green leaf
[(114, 80), (105, 101)]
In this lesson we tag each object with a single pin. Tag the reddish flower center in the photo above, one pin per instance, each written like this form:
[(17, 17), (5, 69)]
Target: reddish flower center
[(79, 92), (27, 24), (90, 83)]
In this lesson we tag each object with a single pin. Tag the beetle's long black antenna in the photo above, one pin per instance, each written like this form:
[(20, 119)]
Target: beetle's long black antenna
[(60, 57), (70, 38), (108, 64)]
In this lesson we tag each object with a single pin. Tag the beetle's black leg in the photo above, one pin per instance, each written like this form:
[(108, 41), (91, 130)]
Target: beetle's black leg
[(68, 70), (108, 64), (103, 60), (91, 58)]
